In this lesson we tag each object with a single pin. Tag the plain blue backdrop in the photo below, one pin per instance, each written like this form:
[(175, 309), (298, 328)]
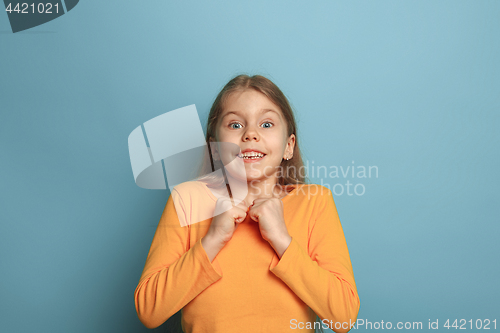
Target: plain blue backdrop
[(411, 87)]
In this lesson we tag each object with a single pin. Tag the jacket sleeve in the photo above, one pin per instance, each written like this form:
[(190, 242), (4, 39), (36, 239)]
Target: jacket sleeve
[(322, 276), (174, 273)]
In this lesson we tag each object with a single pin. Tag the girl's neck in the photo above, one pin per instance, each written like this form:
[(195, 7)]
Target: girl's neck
[(252, 190)]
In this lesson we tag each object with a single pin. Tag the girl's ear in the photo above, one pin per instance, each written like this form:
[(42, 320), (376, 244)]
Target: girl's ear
[(290, 146)]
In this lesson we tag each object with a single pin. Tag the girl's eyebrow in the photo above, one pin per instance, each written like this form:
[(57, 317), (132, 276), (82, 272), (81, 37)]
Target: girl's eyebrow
[(262, 112)]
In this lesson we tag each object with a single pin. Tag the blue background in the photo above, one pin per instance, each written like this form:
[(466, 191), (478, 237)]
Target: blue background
[(412, 87)]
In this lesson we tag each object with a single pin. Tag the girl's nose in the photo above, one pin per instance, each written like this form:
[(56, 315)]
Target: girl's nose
[(250, 134)]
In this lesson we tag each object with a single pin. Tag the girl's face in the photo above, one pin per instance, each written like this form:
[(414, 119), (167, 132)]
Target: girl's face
[(254, 123)]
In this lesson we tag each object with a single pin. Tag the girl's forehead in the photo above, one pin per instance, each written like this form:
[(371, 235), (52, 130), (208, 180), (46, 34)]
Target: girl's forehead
[(249, 102), (247, 97)]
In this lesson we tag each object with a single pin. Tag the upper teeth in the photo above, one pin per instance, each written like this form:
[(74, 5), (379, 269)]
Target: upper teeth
[(251, 153)]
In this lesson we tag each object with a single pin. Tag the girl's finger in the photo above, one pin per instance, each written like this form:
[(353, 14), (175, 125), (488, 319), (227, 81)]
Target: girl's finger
[(254, 215), (239, 217)]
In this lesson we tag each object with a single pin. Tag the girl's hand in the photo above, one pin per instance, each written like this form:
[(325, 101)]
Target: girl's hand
[(268, 212), (223, 225)]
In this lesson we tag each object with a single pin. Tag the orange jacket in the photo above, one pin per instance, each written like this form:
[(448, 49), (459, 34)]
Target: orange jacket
[(247, 288)]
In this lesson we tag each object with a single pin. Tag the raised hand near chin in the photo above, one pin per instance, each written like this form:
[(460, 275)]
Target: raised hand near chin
[(223, 225), (268, 212)]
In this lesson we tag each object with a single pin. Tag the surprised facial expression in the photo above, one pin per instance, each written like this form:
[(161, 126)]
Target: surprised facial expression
[(255, 124)]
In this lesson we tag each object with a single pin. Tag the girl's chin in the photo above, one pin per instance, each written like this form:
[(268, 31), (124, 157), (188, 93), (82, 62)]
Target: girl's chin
[(249, 178), (251, 173)]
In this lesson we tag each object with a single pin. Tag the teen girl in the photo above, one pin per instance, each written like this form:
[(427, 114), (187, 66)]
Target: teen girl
[(270, 263)]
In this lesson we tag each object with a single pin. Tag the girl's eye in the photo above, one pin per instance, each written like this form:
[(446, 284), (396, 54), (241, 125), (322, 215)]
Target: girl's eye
[(267, 122)]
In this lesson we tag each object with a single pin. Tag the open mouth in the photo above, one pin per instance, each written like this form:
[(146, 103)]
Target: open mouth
[(251, 156)]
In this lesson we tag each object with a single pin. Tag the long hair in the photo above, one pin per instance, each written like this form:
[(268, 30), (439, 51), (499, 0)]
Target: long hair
[(292, 168)]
